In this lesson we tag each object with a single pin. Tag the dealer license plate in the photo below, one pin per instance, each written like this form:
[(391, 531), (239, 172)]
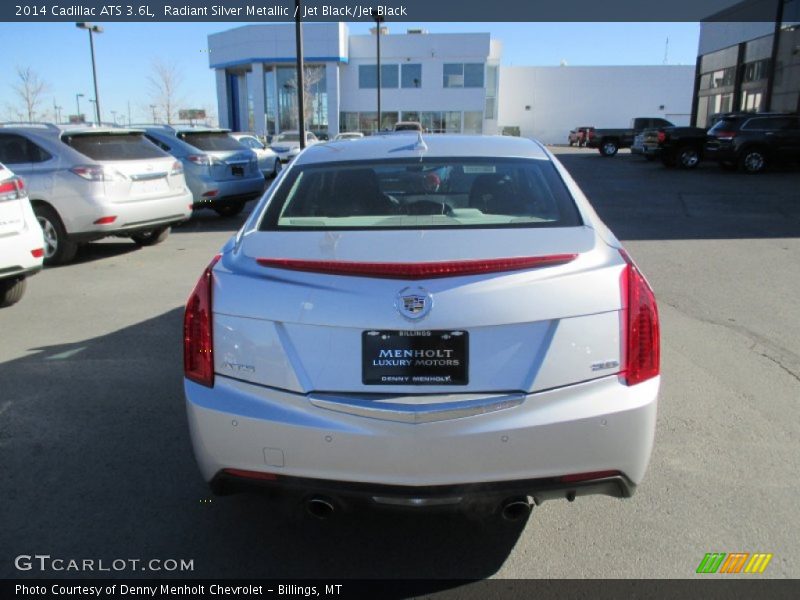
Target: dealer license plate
[(414, 357)]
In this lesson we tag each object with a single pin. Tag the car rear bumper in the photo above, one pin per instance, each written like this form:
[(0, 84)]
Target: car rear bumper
[(208, 192), (133, 216), (597, 426), (16, 259)]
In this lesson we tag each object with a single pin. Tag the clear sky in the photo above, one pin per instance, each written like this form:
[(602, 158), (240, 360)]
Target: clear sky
[(59, 54)]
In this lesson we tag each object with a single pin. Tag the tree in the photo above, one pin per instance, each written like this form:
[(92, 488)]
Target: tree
[(165, 83), (312, 99), (30, 90)]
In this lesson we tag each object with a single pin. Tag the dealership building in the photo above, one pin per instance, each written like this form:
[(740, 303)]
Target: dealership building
[(749, 66), (451, 82)]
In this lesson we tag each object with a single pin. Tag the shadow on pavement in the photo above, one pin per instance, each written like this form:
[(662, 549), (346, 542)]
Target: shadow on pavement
[(641, 200), (97, 463)]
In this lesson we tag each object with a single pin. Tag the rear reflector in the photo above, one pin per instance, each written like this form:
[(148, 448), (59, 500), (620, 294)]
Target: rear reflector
[(641, 331), (198, 349), (587, 476), (210, 193), (425, 270), (250, 474), (37, 253), (105, 220)]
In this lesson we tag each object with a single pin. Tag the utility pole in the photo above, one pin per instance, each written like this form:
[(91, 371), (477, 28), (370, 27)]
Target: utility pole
[(298, 37), (378, 20)]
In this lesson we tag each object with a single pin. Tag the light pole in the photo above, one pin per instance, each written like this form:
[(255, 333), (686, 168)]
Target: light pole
[(378, 20), (298, 39), (114, 117), (93, 29), (78, 104)]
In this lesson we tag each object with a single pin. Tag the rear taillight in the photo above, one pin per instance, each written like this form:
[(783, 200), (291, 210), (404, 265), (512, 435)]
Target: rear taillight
[(97, 173), (724, 135), (641, 339), (13, 189), (177, 168), (198, 349), (662, 137), (199, 159)]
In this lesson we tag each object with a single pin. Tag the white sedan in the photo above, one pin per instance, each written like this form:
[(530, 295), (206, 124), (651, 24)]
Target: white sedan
[(21, 241), (440, 321), (287, 144), (268, 161)]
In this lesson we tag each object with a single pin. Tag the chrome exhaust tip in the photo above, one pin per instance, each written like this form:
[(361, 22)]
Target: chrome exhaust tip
[(515, 509), (320, 508)]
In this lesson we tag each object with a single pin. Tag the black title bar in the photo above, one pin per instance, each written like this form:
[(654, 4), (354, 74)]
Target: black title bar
[(406, 11)]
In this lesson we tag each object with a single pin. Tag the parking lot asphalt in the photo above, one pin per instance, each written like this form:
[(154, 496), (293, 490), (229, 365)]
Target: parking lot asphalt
[(97, 463)]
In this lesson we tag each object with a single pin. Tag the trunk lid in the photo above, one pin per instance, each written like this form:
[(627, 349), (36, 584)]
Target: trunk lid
[(520, 330)]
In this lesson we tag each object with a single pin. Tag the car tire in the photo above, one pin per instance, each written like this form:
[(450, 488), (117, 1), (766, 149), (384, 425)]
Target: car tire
[(608, 148), (752, 161), (58, 249), (687, 157), (276, 168), (11, 291), (151, 237), (229, 209)]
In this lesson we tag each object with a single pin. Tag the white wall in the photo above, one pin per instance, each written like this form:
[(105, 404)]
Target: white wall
[(561, 98), (429, 50), (266, 43)]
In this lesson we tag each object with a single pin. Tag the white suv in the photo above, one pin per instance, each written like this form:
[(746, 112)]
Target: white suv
[(88, 183), (21, 244), (442, 322)]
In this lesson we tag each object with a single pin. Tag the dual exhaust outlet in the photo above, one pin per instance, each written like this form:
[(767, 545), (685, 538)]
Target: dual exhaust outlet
[(511, 509)]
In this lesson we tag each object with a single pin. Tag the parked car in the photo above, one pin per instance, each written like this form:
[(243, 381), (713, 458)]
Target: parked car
[(753, 141), (609, 141), (221, 173), (355, 341), (86, 183), (21, 241), (579, 136), (287, 144), (348, 135), (268, 161), (681, 147), (408, 126)]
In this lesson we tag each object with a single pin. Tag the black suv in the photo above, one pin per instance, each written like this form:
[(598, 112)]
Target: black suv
[(751, 141)]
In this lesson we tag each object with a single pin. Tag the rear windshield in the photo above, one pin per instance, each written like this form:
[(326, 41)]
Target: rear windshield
[(724, 125), (210, 141), (414, 194), (116, 146)]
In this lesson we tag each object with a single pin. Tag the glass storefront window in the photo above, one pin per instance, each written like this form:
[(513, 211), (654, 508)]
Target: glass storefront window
[(270, 102), (473, 122), (388, 120), (433, 122), (410, 115), (315, 98), (452, 122), (368, 122)]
